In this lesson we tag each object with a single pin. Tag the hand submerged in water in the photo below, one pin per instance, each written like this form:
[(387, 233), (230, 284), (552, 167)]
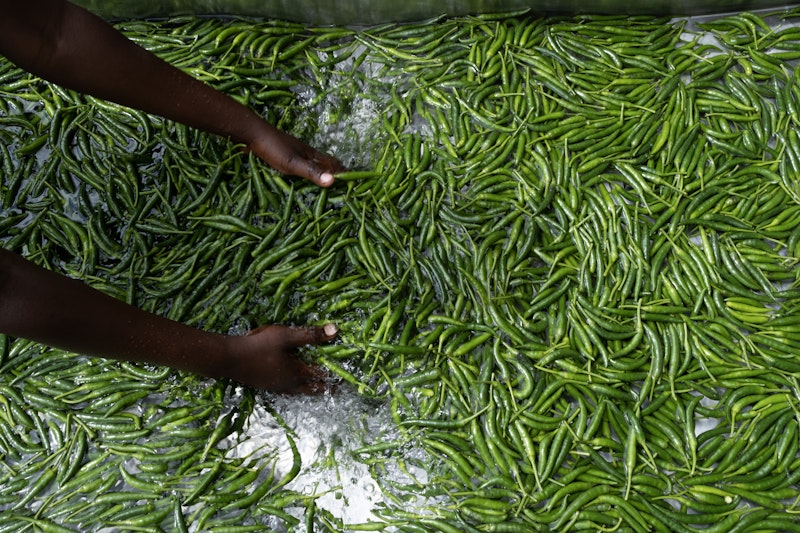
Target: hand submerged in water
[(294, 157), (267, 358)]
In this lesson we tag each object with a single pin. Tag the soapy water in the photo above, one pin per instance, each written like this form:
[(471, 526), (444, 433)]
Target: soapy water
[(343, 110), (326, 430)]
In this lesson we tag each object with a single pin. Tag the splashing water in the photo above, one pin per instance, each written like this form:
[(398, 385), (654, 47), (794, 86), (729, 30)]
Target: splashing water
[(326, 430)]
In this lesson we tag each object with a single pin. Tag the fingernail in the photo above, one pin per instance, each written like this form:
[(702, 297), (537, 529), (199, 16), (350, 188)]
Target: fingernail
[(326, 178), (330, 330)]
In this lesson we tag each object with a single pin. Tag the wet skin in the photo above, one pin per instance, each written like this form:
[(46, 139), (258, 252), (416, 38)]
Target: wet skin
[(69, 46)]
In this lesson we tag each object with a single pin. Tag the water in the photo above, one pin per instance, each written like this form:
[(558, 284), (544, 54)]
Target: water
[(327, 430)]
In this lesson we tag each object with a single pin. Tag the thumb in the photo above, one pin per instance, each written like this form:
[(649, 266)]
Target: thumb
[(294, 157), (297, 336), (316, 167)]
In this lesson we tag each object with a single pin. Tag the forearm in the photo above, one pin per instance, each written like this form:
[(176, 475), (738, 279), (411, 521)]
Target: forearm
[(67, 45), (46, 307), (52, 309)]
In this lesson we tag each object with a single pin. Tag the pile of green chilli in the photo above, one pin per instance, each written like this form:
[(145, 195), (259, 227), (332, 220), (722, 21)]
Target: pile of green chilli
[(568, 261)]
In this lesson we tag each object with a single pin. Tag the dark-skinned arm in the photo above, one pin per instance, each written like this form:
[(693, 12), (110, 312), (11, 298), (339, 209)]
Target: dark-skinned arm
[(67, 45), (58, 311)]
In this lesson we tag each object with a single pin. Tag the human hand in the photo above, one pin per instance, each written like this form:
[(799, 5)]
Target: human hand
[(266, 358), (292, 156)]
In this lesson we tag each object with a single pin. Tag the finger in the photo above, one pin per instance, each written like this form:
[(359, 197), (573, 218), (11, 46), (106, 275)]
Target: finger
[(325, 179), (297, 336), (319, 169), (301, 336), (294, 157)]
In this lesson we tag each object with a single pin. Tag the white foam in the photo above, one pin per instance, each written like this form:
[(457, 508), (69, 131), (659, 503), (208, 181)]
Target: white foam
[(326, 430)]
